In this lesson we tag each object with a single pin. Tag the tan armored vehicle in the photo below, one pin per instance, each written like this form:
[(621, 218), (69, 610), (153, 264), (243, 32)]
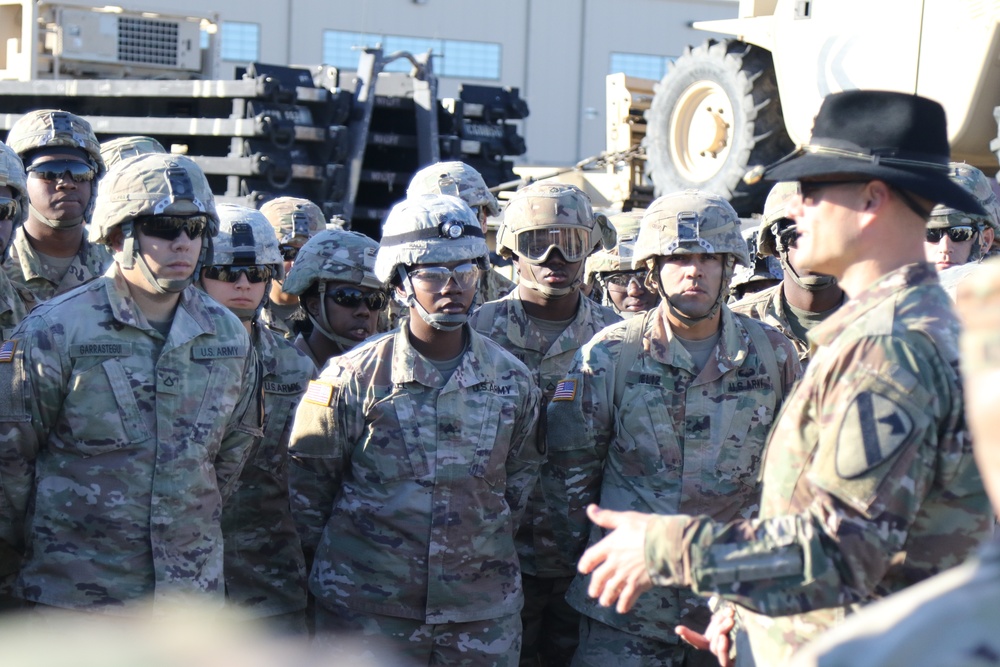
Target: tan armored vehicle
[(728, 105)]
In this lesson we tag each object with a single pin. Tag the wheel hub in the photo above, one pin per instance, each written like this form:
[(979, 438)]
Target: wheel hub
[(701, 131)]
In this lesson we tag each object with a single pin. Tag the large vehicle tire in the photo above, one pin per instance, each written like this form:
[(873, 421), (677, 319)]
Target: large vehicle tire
[(716, 114)]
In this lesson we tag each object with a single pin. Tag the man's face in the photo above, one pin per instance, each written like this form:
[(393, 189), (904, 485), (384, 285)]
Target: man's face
[(289, 250), (554, 272), (826, 220), (241, 294), (946, 247), (55, 192), (691, 282), (168, 259), (6, 226)]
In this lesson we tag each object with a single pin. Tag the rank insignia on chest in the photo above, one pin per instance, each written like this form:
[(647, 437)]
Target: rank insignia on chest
[(7, 351), (565, 391), (318, 393)]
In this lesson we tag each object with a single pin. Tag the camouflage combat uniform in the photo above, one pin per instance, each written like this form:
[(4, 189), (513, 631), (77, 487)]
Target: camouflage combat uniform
[(408, 491), (768, 306), (675, 441), (36, 281), (870, 462), (117, 446)]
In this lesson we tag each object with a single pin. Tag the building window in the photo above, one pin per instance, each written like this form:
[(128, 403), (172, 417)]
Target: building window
[(452, 58), (240, 41), (640, 65)]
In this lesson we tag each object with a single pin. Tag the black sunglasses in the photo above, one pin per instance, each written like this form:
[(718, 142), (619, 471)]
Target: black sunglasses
[(957, 234), (169, 227), (288, 252), (351, 297), (10, 209), (231, 274), (53, 170)]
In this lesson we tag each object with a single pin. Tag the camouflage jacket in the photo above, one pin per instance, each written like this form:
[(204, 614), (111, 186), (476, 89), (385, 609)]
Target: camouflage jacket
[(869, 484), (265, 570), (950, 619), (675, 441), (12, 309), (767, 306), (37, 282), (271, 319), (117, 446), (508, 324), (408, 492)]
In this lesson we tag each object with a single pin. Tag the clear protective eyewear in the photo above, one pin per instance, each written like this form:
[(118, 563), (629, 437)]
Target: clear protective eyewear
[(436, 278), (535, 245), (623, 279)]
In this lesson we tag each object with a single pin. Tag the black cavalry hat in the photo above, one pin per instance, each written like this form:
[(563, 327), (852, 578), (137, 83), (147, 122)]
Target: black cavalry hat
[(898, 138)]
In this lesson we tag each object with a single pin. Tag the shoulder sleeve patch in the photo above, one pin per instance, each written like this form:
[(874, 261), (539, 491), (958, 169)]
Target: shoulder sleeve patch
[(7, 351), (565, 390), (319, 393), (874, 427)]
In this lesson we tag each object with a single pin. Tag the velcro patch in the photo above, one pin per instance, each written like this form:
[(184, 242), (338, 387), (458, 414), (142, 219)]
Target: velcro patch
[(100, 350), (565, 391), (217, 351), (288, 388), (873, 429), (318, 393), (7, 350)]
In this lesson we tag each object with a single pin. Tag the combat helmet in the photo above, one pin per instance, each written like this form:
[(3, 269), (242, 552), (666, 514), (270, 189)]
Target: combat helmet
[(153, 184), (116, 150), (976, 183), (457, 179), (618, 258), (12, 175), (333, 255), (689, 223), (293, 217), (429, 229), (53, 129), (542, 217), (770, 246)]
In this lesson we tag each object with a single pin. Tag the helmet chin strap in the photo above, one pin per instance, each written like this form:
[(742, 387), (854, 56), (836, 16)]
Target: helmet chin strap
[(131, 254), (814, 283), (56, 224), (344, 343), (727, 276), (439, 321), (529, 282)]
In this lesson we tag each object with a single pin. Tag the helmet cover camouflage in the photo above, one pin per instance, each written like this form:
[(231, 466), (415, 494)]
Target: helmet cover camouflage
[(151, 184), (428, 229), (334, 255), (763, 268), (977, 184), (618, 258), (454, 178), (246, 238), (775, 208), (293, 217), (551, 205), (116, 150), (689, 222), (52, 128), (12, 175)]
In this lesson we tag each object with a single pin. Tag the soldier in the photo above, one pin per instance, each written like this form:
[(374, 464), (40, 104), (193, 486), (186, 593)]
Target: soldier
[(412, 459), (868, 482), (132, 405), (763, 272), (609, 273), (464, 182), (949, 619), (13, 211), (548, 230), (667, 413), (50, 254), (802, 299), (264, 566), (955, 237), (334, 279), (116, 150), (295, 221)]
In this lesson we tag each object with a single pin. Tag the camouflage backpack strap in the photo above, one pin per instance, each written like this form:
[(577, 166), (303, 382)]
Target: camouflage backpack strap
[(485, 316), (766, 353), (630, 348)]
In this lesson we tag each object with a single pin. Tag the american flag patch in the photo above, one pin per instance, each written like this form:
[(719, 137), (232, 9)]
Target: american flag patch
[(565, 391), (7, 351), (318, 393)]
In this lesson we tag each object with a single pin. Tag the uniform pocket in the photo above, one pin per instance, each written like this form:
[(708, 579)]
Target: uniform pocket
[(493, 444), (743, 443), (393, 448), (272, 454), (645, 443), (96, 427)]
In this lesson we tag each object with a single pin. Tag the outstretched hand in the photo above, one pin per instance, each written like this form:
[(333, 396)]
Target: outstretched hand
[(618, 561)]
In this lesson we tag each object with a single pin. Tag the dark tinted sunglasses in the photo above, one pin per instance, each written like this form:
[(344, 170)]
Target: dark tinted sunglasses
[(10, 209), (231, 274), (288, 252), (53, 170), (169, 227), (351, 297), (956, 234)]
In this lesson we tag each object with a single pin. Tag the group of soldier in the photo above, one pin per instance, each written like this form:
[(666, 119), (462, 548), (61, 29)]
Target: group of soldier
[(390, 441)]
